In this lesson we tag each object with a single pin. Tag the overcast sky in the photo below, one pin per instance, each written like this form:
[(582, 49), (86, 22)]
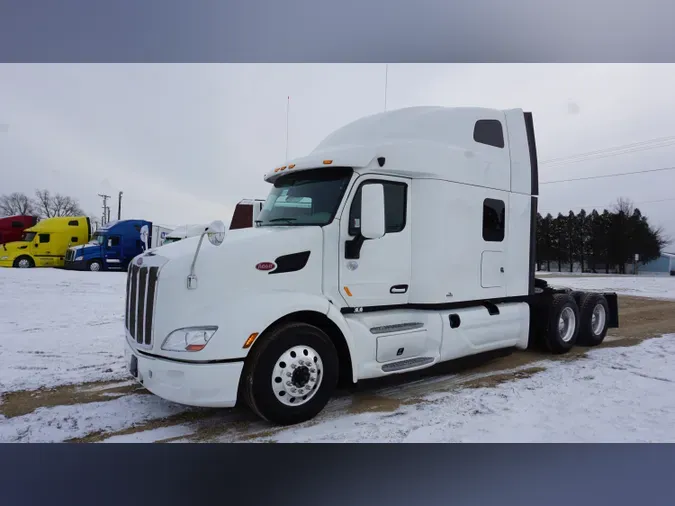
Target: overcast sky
[(186, 142)]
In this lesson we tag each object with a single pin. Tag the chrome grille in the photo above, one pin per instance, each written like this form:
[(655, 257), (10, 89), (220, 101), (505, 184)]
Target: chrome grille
[(140, 302)]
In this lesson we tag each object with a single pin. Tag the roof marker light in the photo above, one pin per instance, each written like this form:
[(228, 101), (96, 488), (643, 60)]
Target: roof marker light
[(327, 162)]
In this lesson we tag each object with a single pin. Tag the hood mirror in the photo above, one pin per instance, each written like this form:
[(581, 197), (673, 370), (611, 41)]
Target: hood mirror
[(216, 232)]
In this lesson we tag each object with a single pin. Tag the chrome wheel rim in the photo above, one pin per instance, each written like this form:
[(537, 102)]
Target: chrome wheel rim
[(598, 319), (297, 375), (95, 266), (567, 324), (24, 263)]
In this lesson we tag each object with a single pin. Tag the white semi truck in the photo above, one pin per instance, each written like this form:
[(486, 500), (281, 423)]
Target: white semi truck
[(244, 216), (404, 239), (183, 232)]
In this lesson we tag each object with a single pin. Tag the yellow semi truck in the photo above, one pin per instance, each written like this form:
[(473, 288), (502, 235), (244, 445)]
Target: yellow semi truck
[(45, 244)]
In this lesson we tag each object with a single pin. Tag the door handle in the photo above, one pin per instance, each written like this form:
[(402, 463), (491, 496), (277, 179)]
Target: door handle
[(501, 269), (398, 289)]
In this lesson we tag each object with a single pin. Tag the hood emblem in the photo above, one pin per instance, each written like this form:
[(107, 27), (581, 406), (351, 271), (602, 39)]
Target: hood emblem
[(265, 266), (139, 261)]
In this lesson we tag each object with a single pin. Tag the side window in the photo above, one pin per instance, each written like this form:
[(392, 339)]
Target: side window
[(17, 224), (74, 239), (43, 238), (494, 220), (490, 132), (395, 204), (113, 241), (73, 223)]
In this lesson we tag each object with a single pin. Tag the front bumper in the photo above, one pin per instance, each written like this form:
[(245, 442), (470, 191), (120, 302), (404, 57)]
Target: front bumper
[(72, 265), (7, 263), (191, 384)]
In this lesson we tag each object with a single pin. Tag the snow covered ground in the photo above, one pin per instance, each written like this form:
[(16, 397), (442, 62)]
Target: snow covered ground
[(60, 328), (613, 395), (656, 287)]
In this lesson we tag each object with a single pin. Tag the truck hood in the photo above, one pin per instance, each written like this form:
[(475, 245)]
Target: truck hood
[(235, 264), (82, 247), (258, 238), (13, 247)]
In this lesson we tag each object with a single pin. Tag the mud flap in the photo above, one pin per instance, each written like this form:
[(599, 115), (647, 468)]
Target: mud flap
[(613, 302)]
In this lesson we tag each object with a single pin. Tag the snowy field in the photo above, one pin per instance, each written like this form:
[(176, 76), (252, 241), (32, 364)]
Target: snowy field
[(656, 287), (63, 377), (614, 395), (60, 327)]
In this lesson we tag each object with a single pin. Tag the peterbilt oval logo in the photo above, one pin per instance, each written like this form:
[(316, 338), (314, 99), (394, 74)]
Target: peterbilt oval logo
[(265, 266), (139, 261)]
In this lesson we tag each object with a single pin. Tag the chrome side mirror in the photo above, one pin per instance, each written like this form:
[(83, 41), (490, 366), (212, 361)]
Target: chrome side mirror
[(216, 232), (372, 211)]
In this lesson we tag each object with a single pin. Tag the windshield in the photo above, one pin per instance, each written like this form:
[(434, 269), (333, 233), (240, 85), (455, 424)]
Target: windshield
[(305, 198), (171, 239), (28, 236), (97, 238)]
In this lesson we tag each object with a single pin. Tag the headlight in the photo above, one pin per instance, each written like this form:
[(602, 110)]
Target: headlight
[(188, 339), (77, 259), (4, 258)]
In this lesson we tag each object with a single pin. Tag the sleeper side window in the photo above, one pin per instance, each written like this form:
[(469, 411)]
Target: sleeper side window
[(43, 238), (489, 132), (494, 220)]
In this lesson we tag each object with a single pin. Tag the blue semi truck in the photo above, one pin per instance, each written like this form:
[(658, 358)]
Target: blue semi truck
[(115, 244)]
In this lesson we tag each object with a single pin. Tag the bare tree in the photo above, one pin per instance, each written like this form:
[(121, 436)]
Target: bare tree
[(16, 204), (50, 206), (624, 205)]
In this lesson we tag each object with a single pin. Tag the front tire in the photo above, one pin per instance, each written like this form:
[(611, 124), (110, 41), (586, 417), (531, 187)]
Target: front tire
[(24, 262), (95, 266), (291, 374), (563, 324)]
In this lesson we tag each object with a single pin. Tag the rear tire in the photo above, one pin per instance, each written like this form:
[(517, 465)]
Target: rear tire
[(95, 266), (579, 297), (593, 319), (563, 324), (291, 374), (24, 262)]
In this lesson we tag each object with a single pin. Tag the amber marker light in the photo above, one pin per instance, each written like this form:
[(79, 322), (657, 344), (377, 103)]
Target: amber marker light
[(249, 341)]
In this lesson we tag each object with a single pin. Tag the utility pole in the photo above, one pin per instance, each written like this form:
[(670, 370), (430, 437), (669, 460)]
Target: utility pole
[(386, 79), (106, 209), (119, 205), (288, 106)]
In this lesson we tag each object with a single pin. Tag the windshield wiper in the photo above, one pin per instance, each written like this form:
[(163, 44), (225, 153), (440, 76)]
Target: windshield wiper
[(281, 219)]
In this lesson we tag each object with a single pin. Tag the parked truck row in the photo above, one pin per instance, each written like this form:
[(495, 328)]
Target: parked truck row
[(69, 242), (405, 239)]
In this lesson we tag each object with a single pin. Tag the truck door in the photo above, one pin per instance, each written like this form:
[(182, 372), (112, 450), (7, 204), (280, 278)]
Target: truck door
[(112, 252), (41, 250), (493, 261), (381, 273)]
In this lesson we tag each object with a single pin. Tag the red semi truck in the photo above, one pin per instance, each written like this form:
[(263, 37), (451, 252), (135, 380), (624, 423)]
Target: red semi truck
[(12, 227)]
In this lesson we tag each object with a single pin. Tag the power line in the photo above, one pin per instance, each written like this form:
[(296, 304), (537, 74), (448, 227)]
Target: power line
[(617, 174), (659, 142)]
